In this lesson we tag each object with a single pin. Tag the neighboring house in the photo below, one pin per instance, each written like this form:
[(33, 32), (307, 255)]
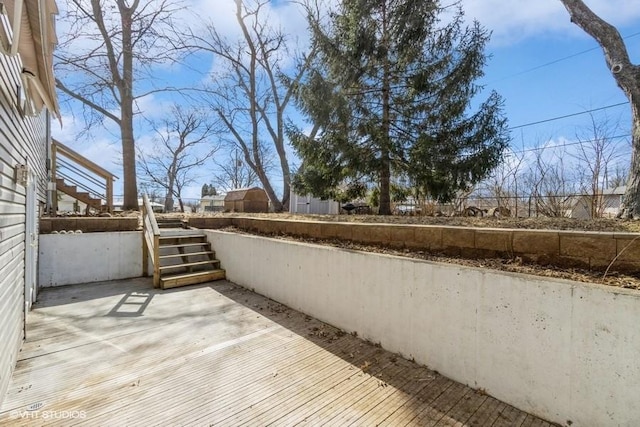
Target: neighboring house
[(118, 203), (311, 205), (27, 99), (608, 204), (212, 203), (67, 204)]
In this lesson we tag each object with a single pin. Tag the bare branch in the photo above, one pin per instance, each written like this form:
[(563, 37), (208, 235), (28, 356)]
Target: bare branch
[(86, 101), (180, 140)]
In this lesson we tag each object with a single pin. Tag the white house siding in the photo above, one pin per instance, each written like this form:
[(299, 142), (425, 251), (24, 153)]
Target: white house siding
[(23, 140)]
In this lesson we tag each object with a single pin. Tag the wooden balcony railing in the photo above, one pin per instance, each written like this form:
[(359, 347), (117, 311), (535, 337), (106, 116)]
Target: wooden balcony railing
[(78, 171)]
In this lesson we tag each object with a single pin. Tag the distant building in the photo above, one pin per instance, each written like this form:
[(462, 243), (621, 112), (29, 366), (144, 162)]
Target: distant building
[(311, 205), (212, 203), (118, 203), (609, 203), (67, 203), (246, 200)]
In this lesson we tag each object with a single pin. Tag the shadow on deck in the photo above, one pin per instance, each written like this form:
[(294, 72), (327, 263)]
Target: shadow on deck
[(123, 353)]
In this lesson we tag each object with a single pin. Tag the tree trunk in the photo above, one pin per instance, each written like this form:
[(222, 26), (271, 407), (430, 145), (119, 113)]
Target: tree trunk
[(627, 76), (273, 198), (286, 180), (385, 164), (631, 204), (130, 201), (385, 186), (168, 201)]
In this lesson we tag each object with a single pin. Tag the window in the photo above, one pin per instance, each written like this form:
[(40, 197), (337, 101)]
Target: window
[(8, 45)]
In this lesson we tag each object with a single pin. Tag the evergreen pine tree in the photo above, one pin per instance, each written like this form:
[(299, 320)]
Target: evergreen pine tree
[(392, 93)]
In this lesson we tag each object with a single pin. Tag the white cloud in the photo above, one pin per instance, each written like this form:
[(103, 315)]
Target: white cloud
[(100, 147), (515, 20), (153, 107), (287, 15)]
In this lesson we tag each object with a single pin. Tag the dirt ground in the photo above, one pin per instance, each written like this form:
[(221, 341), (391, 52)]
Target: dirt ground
[(541, 223), (611, 278)]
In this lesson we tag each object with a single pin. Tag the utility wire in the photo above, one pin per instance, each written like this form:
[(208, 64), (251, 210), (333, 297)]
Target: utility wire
[(569, 115), (568, 144), (555, 61)]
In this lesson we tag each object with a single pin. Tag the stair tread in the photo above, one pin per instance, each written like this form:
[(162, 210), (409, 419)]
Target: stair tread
[(189, 264), (182, 236), (189, 275), (184, 245), (186, 254), (82, 196), (187, 279)]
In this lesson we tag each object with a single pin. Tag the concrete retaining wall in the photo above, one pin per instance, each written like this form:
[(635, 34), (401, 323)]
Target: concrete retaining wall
[(67, 259), (572, 249), (565, 351)]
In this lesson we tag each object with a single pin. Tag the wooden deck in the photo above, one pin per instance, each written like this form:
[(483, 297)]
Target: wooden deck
[(122, 353)]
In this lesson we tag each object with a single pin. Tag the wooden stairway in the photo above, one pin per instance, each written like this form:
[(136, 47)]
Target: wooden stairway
[(186, 258), (81, 196), (180, 256)]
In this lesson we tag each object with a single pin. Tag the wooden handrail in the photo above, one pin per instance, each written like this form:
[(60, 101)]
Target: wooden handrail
[(80, 159), (58, 148), (150, 241)]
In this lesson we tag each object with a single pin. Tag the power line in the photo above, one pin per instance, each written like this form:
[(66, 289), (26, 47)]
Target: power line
[(555, 61), (569, 144), (569, 115)]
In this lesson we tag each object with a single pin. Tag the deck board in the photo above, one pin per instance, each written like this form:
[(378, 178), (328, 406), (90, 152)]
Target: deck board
[(123, 353)]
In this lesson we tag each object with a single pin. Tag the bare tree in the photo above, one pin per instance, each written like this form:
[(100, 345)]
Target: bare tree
[(460, 201), (627, 76), (618, 176), (503, 187), (596, 154), (251, 96), (183, 142), (151, 190), (549, 183), (234, 173), (110, 47)]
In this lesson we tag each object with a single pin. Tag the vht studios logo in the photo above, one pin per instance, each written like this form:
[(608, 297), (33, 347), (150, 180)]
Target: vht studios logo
[(33, 412)]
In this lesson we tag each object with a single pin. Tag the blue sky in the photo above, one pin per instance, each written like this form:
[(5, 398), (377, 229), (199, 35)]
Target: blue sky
[(539, 65), (526, 35)]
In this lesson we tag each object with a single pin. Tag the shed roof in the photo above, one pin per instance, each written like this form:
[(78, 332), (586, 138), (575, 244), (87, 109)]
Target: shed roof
[(241, 193)]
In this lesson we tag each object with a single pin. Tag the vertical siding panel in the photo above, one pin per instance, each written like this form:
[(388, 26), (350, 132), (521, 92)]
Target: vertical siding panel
[(22, 140)]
